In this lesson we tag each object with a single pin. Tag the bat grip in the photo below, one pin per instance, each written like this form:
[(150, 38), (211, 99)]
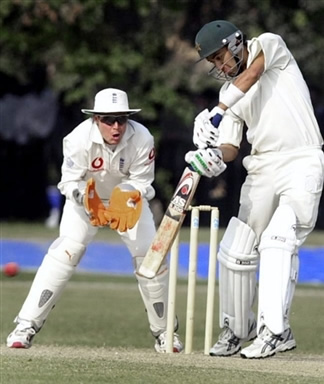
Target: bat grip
[(216, 120)]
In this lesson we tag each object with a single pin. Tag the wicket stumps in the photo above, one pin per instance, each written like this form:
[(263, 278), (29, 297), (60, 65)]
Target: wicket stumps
[(192, 275)]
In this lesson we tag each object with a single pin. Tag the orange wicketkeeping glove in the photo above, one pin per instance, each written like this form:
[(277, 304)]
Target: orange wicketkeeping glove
[(124, 209), (94, 206)]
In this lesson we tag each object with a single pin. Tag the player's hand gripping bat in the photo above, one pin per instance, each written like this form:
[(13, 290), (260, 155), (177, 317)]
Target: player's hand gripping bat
[(176, 211)]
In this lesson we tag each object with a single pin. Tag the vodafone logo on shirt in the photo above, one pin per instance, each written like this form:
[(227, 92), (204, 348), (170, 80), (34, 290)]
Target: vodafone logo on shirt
[(97, 163), (151, 157)]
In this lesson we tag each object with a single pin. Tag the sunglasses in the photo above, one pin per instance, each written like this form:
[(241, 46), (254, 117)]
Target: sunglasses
[(111, 119)]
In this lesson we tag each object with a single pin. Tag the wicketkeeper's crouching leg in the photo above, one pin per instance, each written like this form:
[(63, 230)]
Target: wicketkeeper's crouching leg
[(50, 280), (154, 293)]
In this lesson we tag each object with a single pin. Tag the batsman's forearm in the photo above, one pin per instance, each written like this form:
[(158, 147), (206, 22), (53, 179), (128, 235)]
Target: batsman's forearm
[(251, 75), (229, 152)]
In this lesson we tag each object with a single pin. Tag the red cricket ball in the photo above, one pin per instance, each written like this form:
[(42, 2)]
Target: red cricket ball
[(11, 269)]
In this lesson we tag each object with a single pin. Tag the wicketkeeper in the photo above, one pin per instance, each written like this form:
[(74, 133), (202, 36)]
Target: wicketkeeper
[(107, 176), (279, 200)]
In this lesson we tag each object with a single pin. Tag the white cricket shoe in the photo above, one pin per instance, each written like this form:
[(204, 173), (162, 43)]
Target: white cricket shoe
[(228, 344), (22, 336), (267, 344), (160, 343)]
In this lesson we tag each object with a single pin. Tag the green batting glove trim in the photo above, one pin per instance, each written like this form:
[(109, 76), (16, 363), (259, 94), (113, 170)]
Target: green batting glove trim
[(193, 165), (201, 161)]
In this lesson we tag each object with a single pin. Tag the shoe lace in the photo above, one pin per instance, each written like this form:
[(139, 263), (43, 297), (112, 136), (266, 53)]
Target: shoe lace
[(26, 329), (265, 332), (267, 336), (229, 340), (228, 336)]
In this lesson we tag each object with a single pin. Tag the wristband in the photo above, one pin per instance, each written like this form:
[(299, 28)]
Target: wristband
[(231, 96)]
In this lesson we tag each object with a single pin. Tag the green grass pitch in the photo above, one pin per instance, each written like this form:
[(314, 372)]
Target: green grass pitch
[(98, 333)]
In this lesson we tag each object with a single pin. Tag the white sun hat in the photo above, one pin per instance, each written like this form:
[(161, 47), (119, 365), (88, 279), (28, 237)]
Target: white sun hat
[(110, 101)]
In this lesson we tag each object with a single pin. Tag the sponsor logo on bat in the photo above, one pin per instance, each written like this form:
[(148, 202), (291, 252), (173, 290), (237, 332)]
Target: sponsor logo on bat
[(182, 194)]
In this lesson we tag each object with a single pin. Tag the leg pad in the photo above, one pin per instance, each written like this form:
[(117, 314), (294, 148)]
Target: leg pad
[(238, 260)]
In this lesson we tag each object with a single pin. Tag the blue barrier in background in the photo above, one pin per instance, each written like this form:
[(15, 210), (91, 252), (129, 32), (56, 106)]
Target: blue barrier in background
[(115, 259)]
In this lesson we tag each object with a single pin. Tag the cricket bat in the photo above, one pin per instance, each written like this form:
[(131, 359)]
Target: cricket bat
[(170, 224)]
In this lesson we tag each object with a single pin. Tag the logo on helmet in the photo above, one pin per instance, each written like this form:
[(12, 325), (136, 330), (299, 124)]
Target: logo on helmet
[(114, 98)]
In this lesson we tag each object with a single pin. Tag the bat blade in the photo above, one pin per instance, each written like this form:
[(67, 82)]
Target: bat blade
[(170, 224)]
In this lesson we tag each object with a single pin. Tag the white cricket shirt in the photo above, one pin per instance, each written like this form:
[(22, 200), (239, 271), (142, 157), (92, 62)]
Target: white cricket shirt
[(86, 155), (277, 109)]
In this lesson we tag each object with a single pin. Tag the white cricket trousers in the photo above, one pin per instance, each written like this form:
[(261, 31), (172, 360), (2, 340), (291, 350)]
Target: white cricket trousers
[(293, 178)]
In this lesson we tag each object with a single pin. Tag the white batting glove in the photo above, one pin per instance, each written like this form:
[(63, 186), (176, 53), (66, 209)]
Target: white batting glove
[(206, 162), (205, 133)]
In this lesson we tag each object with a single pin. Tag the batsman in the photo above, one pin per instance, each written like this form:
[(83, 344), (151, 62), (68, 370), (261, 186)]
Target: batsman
[(107, 176), (264, 90)]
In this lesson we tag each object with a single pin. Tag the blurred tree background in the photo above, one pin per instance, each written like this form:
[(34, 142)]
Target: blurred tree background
[(56, 54)]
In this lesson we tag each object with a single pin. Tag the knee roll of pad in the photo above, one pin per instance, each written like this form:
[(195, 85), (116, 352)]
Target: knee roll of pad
[(238, 258), (52, 276), (67, 251)]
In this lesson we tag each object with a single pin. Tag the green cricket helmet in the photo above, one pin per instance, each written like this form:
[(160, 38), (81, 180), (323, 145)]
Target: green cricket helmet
[(217, 34), (214, 36)]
